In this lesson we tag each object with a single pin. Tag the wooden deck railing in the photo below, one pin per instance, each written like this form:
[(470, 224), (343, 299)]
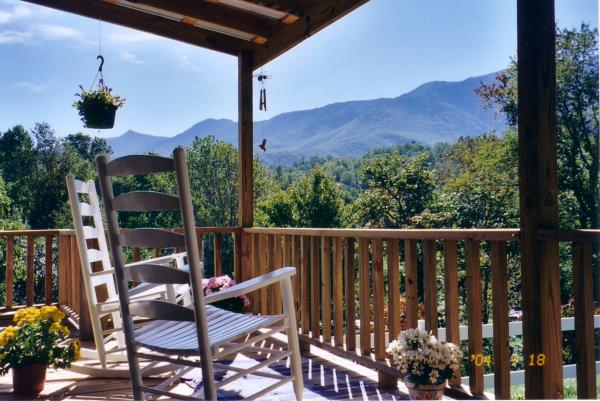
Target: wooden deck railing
[(348, 285), (20, 249), (61, 270), (333, 304)]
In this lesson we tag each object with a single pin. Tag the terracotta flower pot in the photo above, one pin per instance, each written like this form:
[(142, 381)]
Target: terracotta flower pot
[(29, 380), (425, 391)]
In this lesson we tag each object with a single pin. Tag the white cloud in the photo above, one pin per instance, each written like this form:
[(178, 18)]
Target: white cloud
[(14, 37), (130, 58), (17, 11), (32, 87), (59, 32), (186, 64)]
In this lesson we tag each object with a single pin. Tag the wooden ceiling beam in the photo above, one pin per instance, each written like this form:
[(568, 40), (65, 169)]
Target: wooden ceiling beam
[(217, 14), (322, 14), (296, 7), (142, 21)]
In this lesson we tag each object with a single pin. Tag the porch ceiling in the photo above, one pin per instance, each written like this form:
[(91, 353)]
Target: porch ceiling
[(267, 28)]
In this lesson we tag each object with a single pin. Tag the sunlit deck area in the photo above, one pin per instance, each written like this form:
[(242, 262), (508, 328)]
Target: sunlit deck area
[(326, 377)]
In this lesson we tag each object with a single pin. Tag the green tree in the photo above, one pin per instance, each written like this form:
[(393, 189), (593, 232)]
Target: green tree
[(213, 181), (17, 162), (87, 147), (577, 119), (477, 184), (317, 201), (397, 188), (275, 210)]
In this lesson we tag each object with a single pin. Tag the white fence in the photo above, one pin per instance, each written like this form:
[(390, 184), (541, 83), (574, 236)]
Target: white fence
[(516, 329)]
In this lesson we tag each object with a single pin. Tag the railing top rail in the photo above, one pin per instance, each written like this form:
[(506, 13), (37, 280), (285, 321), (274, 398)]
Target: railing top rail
[(571, 235), (19, 233), (501, 234), (199, 230)]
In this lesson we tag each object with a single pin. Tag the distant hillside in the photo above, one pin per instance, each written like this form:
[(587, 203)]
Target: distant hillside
[(434, 112)]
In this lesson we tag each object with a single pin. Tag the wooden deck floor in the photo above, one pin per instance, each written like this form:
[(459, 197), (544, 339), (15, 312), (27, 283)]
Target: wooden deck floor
[(326, 377)]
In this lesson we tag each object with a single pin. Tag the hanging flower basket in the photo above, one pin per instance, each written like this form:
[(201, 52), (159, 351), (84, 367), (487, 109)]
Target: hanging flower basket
[(98, 108)]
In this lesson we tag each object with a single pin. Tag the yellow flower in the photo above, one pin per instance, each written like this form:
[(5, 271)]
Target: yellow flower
[(3, 355), (9, 333), (66, 331), (27, 315), (52, 312), (76, 349)]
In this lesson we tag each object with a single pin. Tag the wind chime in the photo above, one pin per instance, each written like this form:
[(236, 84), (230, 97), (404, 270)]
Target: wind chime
[(262, 104)]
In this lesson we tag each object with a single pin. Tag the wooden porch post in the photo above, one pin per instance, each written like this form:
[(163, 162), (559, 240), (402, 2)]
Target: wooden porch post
[(245, 163), (538, 198)]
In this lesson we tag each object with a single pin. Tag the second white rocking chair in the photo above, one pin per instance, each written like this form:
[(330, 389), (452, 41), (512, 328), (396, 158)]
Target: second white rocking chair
[(110, 343)]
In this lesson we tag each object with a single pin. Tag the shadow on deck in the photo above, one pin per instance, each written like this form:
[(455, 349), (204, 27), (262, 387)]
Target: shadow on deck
[(326, 377)]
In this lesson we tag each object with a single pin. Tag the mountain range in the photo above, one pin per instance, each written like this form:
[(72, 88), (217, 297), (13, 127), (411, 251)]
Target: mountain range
[(437, 111)]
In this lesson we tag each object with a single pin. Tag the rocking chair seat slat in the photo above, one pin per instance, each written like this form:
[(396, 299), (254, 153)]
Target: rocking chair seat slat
[(180, 338)]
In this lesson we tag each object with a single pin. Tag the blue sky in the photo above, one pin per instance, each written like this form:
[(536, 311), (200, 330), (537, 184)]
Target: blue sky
[(383, 49)]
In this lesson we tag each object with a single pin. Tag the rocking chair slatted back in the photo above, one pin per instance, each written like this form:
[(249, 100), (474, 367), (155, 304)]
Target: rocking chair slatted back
[(142, 165)]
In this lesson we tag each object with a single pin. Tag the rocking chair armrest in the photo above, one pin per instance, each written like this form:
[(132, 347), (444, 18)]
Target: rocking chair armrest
[(251, 285)]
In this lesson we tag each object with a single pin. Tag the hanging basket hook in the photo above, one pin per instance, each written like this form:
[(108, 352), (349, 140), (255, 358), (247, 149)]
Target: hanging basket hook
[(101, 62)]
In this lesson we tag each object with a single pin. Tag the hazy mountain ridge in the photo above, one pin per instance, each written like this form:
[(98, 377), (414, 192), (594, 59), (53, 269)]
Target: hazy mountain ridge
[(433, 112)]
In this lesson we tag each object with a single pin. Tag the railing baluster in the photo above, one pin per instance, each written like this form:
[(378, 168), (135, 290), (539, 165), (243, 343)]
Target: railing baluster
[(238, 274), (255, 298), (136, 254), (410, 284), (157, 252), (217, 241), (338, 294), (270, 267), (63, 260), (393, 265), (451, 299), (315, 289), (48, 270), (349, 295), (262, 269), (500, 309), (430, 284), (326, 287), (305, 285), (30, 271), (584, 319), (364, 295), (295, 257), (74, 273), (474, 314), (10, 268), (277, 300), (378, 299)]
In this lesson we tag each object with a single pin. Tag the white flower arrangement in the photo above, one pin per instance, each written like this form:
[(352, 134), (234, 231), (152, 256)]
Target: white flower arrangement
[(423, 359)]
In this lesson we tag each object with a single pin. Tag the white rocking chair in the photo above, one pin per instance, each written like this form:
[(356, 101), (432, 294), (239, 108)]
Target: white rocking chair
[(198, 335), (108, 359)]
